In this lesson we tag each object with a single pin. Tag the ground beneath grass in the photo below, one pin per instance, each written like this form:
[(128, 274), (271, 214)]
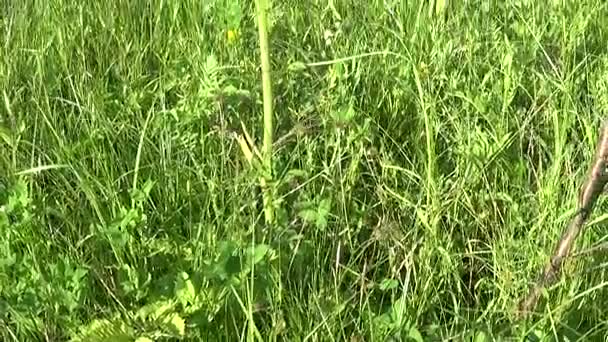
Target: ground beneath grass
[(426, 159)]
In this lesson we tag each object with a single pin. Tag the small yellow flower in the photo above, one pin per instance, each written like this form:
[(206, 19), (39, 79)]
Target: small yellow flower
[(231, 35)]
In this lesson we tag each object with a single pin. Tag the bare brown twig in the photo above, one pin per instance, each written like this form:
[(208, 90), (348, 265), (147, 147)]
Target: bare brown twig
[(596, 180)]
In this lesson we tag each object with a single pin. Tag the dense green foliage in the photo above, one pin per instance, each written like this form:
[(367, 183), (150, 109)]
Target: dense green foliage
[(426, 159)]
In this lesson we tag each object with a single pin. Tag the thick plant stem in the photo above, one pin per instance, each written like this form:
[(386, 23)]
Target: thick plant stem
[(266, 179), (597, 178)]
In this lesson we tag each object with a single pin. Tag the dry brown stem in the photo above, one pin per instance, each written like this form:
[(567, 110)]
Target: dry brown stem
[(596, 180)]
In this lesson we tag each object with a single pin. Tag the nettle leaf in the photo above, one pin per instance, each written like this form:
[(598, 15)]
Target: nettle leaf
[(398, 310), (162, 314), (308, 215), (77, 275), (227, 264), (296, 173), (156, 310), (184, 289), (383, 321), (175, 324), (317, 216), (252, 256), (211, 63), (128, 279), (345, 115), (297, 67), (323, 213), (103, 330), (388, 284), (234, 13), (256, 254), (140, 196), (148, 185), (19, 197)]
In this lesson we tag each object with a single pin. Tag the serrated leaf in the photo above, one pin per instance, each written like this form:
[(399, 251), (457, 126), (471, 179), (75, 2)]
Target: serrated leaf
[(383, 322), (297, 66), (229, 90), (211, 63), (296, 173), (388, 284), (324, 207), (397, 311), (154, 311), (139, 196), (257, 253), (322, 213), (162, 309), (321, 222), (308, 215), (233, 14), (103, 330), (345, 115), (176, 325), (184, 289), (148, 185)]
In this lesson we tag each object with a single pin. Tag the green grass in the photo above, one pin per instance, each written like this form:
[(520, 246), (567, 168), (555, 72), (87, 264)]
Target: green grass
[(425, 162)]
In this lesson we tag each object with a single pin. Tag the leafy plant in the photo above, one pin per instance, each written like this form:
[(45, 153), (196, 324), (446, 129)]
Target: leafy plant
[(402, 180)]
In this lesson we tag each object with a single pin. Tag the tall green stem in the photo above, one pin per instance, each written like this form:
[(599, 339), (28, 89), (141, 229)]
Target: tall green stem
[(262, 14)]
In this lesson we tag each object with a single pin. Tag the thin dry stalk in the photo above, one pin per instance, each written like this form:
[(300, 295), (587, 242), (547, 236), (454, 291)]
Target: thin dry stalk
[(596, 180)]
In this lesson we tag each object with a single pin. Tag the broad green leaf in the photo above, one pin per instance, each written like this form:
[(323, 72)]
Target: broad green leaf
[(257, 253), (296, 173), (176, 324), (184, 289), (297, 67), (19, 197), (103, 330), (148, 185), (308, 215), (415, 335), (388, 284), (321, 222), (162, 309), (383, 321), (322, 213), (324, 207), (345, 115), (397, 311), (155, 310), (211, 64), (233, 13)]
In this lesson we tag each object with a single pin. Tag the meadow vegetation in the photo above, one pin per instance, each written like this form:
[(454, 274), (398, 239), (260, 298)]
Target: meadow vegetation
[(426, 157)]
